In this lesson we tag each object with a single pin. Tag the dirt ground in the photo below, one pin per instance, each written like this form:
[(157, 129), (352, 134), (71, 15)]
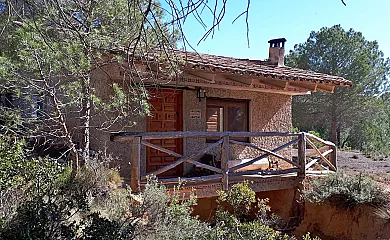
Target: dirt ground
[(354, 162), (331, 222)]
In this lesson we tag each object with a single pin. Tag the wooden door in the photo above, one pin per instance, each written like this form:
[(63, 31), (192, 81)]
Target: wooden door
[(166, 109)]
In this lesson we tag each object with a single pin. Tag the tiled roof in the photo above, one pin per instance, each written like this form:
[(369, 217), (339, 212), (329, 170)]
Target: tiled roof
[(213, 63), (238, 66)]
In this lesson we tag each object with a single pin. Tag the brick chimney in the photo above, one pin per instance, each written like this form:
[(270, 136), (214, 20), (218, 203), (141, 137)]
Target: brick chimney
[(276, 51)]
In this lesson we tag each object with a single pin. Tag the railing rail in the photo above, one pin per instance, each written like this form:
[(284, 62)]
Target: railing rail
[(320, 158)]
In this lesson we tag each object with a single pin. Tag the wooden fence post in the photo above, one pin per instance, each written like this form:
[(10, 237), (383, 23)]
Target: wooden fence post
[(302, 155), (135, 164), (225, 162), (333, 156)]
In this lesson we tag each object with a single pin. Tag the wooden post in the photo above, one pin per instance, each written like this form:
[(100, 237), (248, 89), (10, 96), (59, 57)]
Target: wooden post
[(333, 156), (135, 164), (302, 155), (225, 162)]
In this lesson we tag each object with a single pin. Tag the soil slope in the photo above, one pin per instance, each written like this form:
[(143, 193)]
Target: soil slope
[(330, 221)]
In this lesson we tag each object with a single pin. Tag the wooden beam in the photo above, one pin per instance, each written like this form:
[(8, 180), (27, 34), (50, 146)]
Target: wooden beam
[(202, 165), (265, 172), (265, 150), (333, 156), (194, 179), (319, 171), (280, 85), (311, 164), (288, 86), (314, 153), (225, 154), (327, 152), (226, 84), (128, 136), (161, 149), (247, 82), (199, 76), (135, 164), (185, 158), (242, 165), (320, 154), (302, 154), (312, 87), (319, 140), (325, 88)]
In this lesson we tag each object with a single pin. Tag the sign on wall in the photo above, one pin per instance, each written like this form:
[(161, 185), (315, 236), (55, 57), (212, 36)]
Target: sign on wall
[(195, 114)]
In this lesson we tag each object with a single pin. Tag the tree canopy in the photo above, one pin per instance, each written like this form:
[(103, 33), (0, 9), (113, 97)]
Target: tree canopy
[(49, 52), (345, 53)]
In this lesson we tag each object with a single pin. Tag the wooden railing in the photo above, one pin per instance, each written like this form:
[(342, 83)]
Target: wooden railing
[(322, 155)]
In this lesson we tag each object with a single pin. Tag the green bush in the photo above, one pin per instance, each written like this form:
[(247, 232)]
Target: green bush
[(346, 190), (21, 177), (167, 216), (242, 199), (91, 205)]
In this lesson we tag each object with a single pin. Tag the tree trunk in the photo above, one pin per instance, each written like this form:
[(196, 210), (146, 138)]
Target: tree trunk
[(67, 136), (338, 131), (344, 142), (333, 129), (86, 117), (333, 133)]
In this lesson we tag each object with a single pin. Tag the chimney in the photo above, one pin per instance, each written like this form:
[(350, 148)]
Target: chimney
[(276, 51)]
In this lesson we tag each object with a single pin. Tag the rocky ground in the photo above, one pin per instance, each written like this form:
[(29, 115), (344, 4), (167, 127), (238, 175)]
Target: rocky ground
[(354, 162)]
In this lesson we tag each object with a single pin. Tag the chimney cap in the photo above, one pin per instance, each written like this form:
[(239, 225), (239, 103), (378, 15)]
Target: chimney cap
[(277, 42)]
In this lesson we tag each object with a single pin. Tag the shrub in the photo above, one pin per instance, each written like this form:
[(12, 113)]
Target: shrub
[(166, 216), (22, 178), (92, 206), (345, 189), (58, 206), (233, 226), (240, 197)]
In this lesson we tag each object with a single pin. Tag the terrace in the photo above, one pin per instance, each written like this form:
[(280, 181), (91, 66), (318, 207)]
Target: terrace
[(302, 154)]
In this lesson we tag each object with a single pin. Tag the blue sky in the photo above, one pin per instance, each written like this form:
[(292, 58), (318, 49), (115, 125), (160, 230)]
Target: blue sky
[(292, 19)]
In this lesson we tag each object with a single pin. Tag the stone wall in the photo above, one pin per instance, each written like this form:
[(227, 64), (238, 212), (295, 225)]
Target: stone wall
[(268, 112), (100, 139)]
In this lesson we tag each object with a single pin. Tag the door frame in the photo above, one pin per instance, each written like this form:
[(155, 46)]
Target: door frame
[(180, 127)]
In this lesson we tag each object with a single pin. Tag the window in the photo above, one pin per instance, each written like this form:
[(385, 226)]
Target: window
[(227, 115)]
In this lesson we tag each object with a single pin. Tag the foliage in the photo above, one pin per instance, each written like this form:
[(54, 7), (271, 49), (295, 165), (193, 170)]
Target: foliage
[(344, 53), (91, 206), (51, 52), (345, 190), (167, 216), (240, 197), (21, 177), (371, 135), (233, 226)]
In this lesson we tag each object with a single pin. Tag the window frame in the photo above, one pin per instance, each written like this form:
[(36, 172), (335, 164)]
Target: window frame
[(225, 103)]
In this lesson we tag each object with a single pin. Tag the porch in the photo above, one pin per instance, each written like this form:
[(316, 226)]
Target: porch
[(284, 166)]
